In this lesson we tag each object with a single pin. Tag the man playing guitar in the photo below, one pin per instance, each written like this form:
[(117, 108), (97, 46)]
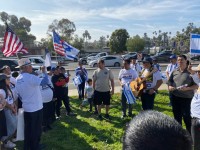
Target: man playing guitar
[(152, 82)]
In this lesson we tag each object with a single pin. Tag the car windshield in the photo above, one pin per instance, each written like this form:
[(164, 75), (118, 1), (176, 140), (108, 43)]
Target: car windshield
[(91, 55)]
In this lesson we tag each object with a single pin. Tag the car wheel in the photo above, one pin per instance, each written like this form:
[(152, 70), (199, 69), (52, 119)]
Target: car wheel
[(95, 65), (117, 64), (198, 58), (75, 59), (84, 62)]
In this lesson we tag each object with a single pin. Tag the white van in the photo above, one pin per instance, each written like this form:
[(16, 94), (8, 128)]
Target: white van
[(96, 56)]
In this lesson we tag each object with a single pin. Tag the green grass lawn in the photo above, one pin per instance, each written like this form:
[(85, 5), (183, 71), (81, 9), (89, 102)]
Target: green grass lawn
[(86, 132)]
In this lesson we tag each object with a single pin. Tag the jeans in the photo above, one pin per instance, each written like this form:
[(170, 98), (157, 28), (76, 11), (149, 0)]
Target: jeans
[(181, 109), (11, 122), (124, 105), (81, 88), (147, 101)]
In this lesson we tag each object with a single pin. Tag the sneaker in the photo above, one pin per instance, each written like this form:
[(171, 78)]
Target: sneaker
[(58, 117), (100, 117), (107, 116), (9, 144)]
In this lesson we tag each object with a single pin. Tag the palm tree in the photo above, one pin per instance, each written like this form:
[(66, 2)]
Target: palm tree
[(86, 36)]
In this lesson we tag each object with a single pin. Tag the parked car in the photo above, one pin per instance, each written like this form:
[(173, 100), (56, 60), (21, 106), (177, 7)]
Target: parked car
[(12, 63), (39, 61), (84, 59), (143, 55), (195, 57), (96, 56), (109, 60), (163, 56), (128, 55)]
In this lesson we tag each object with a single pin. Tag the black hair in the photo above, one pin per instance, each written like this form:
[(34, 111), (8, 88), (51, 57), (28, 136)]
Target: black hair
[(188, 62), (128, 61), (183, 56), (101, 60), (5, 87), (62, 68), (15, 74), (89, 80), (152, 130)]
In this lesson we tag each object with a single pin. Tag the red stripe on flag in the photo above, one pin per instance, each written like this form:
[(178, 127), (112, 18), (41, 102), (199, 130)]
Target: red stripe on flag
[(12, 44)]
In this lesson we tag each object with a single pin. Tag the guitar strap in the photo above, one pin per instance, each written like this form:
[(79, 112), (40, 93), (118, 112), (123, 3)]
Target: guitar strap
[(150, 78)]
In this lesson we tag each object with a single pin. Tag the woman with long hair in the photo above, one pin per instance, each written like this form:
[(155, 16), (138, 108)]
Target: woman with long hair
[(10, 110)]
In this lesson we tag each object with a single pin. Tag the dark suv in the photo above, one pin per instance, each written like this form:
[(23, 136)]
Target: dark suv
[(163, 56), (12, 63)]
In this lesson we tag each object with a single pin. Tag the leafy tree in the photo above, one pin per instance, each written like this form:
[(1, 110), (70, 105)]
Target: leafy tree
[(135, 44), (78, 42), (118, 40), (20, 26), (64, 27), (147, 40), (182, 39), (102, 42)]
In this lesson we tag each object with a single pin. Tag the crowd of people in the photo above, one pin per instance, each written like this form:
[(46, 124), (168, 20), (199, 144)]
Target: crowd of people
[(41, 93)]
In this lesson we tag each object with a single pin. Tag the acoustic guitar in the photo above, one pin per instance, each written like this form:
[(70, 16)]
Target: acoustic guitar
[(139, 84)]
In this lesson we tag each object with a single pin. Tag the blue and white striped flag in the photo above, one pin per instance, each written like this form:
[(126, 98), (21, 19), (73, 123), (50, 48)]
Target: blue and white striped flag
[(77, 80), (129, 94), (195, 44)]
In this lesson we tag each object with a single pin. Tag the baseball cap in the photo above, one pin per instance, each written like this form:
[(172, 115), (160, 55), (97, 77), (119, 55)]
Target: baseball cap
[(147, 59), (173, 56)]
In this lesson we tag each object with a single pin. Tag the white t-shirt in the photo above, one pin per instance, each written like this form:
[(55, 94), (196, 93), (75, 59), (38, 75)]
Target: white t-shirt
[(28, 87), (46, 91), (136, 67), (127, 76), (89, 91), (9, 99), (156, 76), (171, 67)]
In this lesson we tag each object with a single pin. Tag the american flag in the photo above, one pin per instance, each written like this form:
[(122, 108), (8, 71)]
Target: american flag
[(58, 44), (12, 43)]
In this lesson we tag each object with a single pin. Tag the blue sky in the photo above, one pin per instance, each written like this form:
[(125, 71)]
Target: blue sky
[(102, 17)]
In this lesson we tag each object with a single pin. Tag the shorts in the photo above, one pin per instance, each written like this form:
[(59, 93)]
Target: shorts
[(101, 97)]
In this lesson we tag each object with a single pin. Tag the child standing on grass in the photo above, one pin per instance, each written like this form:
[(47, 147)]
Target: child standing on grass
[(89, 91)]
